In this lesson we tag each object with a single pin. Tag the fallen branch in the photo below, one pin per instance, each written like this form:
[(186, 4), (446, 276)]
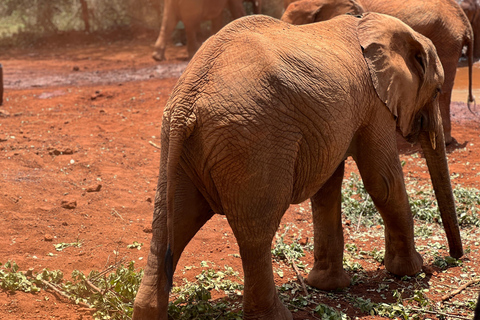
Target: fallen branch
[(108, 269), (299, 276), (93, 287), (447, 315), (155, 145), (460, 289), (65, 295)]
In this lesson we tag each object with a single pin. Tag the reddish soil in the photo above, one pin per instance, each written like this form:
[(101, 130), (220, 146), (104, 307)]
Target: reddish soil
[(80, 118)]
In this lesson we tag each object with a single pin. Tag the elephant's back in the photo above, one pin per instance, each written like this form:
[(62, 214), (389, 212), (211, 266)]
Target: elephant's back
[(438, 20)]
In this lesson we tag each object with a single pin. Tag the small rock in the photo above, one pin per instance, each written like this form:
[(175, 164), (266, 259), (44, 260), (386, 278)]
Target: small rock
[(76, 68), (64, 223), (4, 113), (303, 241), (48, 237), (69, 204), (54, 152), (149, 199), (94, 188), (147, 229)]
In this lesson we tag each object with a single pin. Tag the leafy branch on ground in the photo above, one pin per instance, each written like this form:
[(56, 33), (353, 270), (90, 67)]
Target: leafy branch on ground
[(111, 292)]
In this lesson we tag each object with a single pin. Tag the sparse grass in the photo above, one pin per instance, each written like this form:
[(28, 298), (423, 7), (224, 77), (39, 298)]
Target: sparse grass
[(111, 294)]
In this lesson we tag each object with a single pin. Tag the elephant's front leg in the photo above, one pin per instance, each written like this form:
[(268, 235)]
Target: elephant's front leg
[(382, 175), (327, 272)]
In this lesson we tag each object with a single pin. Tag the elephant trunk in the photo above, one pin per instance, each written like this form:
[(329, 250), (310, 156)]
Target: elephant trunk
[(433, 144)]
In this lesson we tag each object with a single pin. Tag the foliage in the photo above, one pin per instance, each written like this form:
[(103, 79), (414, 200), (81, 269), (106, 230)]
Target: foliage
[(358, 206), (193, 298), (13, 280), (110, 295)]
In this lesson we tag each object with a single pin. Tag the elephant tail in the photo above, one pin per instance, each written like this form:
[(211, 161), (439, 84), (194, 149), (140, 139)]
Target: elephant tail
[(182, 123), (471, 99)]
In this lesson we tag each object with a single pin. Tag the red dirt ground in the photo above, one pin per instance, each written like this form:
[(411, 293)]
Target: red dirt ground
[(82, 116)]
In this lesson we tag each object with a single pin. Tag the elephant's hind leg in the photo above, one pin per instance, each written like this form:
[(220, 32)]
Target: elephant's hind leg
[(254, 228), (191, 213), (327, 272)]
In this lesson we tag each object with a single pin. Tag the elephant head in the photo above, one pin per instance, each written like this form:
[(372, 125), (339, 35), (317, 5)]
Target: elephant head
[(407, 76), (303, 12)]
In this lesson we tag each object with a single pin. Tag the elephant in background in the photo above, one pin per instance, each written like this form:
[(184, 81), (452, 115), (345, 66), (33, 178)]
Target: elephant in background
[(442, 21), (472, 11), (265, 115), (192, 13)]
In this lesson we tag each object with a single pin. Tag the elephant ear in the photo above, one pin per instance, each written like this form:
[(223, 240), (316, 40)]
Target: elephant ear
[(397, 62)]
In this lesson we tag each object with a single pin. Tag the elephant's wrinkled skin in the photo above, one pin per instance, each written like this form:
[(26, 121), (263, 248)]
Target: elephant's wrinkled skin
[(472, 11), (192, 13), (265, 115), (442, 21)]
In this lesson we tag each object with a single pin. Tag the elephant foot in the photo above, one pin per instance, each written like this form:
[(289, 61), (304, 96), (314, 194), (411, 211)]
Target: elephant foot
[(448, 138), (328, 279), (147, 312), (148, 305), (277, 312), (158, 56), (404, 265)]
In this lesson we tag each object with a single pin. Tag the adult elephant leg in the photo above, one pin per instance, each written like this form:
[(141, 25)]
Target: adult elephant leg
[(217, 24), (191, 29), (191, 213), (383, 179), (327, 272), (169, 22), (236, 8), (450, 69), (254, 226)]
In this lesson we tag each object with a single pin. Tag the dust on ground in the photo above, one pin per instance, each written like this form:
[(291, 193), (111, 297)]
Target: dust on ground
[(78, 162)]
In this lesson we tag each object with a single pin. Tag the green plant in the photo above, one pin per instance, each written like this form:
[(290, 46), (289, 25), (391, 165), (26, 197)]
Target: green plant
[(63, 245)]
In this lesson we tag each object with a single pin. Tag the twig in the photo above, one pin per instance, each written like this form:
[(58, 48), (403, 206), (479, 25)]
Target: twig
[(118, 214), (108, 269), (299, 276), (361, 212), (303, 309), (63, 294), (448, 315), (93, 287), (460, 289), (155, 145)]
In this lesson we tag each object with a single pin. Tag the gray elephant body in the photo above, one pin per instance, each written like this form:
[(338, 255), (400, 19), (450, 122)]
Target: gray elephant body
[(265, 115)]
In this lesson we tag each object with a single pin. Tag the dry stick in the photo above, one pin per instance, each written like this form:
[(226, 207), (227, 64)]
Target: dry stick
[(448, 315), (63, 294), (299, 276), (155, 145), (108, 269), (115, 212), (460, 289), (93, 287), (361, 212)]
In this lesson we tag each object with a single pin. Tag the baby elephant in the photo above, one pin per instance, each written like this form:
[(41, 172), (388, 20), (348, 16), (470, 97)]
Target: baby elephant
[(265, 115)]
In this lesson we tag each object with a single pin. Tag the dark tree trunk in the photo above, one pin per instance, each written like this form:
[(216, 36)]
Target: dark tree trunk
[(85, 15)]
